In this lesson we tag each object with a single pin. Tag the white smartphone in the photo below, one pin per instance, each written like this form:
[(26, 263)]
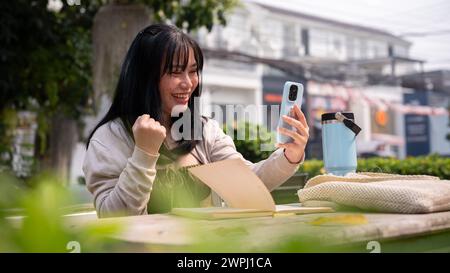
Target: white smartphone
[(292, 95)]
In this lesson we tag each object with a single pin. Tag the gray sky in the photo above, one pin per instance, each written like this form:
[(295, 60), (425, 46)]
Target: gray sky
[(428, 20)]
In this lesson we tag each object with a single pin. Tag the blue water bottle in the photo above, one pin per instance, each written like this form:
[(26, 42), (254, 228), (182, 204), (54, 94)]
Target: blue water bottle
[(339, 133)]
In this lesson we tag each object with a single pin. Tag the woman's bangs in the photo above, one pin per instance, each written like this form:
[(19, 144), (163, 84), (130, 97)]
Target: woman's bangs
[(176, 56)]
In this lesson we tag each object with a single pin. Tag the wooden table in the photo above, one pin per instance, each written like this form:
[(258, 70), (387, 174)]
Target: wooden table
[(389, 233)]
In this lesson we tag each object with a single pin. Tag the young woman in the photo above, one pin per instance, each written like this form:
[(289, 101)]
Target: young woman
[(129, 148)]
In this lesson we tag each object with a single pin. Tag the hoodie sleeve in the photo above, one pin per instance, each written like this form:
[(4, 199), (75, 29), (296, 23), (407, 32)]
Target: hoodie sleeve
[(121, 183)]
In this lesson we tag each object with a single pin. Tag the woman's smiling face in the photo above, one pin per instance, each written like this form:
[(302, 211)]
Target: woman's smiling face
[(177, 86)]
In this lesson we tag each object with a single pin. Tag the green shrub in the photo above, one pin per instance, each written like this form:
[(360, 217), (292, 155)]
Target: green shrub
[(434, 165), (250, 148), (313, 167)]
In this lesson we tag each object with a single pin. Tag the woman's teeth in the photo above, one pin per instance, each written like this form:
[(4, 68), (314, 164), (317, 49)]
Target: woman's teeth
[(181, 96)]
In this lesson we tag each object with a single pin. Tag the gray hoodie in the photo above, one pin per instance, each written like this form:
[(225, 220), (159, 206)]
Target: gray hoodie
[(120, 175)]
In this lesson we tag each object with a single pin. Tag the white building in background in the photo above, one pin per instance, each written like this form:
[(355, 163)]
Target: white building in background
[(323, 47), (270, 32), (228, 83)]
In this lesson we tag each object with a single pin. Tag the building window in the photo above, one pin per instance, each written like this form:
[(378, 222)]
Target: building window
[(272, 38), (400, 51), (337, 46), (327, 44), (291, 41), (318, 43), (376, 49), (236, 32), (305, 41)]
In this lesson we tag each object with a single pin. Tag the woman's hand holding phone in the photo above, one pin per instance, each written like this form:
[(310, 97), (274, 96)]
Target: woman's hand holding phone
[(293, 131), (149, 134), (295, 150)]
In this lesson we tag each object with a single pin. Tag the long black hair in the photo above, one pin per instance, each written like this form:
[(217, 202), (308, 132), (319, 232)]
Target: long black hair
[(149, 57)]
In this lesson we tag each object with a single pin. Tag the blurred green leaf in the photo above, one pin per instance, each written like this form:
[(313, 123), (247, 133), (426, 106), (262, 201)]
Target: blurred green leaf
[(39, 224)]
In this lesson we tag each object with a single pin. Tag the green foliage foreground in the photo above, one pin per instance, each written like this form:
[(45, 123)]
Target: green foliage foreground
[(41, 226), (44, 228)]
